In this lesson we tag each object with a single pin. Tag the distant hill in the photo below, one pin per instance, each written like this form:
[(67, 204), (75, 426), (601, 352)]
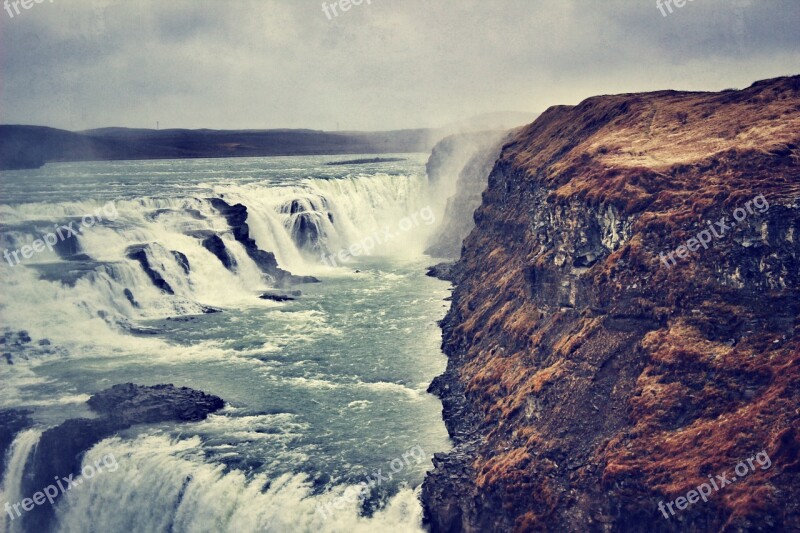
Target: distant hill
[(33, 146)]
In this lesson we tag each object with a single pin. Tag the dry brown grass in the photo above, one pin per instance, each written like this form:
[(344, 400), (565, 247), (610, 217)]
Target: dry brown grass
[(636, 387)]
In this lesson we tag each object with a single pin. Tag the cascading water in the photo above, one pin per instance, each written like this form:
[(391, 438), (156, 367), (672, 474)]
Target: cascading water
[(187, 494), (17, 457), (299, 223), (323, 391)]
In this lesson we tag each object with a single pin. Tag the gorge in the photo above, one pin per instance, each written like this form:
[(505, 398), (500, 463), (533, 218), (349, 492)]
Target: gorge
[(589, 385)]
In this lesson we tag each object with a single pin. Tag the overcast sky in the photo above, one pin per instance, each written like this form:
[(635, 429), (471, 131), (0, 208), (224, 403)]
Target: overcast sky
[(79, 64)]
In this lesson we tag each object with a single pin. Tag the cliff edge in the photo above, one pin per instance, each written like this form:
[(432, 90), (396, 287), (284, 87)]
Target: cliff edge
[(626, 324)]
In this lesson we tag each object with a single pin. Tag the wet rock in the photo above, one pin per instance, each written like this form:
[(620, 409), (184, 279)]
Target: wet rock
[(306, 232), (182, 261), (442, 271), (78, 267), (68, 247), (301, 279), (142, 331), (129, 295), (138, 253), (15, 338), (60, 449), (366, 161), (280, 296), (215, 245), (293, 207), (136, 404), (236, 215)]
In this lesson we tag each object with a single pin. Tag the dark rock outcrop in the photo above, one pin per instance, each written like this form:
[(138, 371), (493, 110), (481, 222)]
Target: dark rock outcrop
[(19, 346), (15, 338), (138, 252), (280, 296), (588, 379), (76, 268), (135, 404), (442, 271), (69, 248), (366, 161), (214, 244), (182, 261), (131, 298), (60, 449), (306, 232), (236, 215), (306, 218)]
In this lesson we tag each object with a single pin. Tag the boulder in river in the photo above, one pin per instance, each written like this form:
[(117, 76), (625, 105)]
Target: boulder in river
[(280, 296), (60, 450)]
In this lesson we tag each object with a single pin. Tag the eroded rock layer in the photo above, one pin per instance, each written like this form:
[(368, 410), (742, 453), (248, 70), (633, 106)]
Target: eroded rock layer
[(591, 378)]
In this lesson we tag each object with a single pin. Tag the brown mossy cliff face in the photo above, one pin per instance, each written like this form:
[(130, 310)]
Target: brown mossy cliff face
[(587, 380)]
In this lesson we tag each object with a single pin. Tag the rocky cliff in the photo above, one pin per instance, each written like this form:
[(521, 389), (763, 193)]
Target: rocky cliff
[(626, 323)]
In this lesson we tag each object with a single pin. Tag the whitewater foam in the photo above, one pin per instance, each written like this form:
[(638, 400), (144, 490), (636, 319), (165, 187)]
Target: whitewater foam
[(167, 485)]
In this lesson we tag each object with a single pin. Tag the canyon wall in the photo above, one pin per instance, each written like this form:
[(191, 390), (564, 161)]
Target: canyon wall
[(591, 375)]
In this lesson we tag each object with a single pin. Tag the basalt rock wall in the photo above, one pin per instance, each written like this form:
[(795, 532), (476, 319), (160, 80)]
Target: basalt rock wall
[(592, 376)]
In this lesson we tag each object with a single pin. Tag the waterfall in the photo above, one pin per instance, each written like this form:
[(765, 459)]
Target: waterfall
[(164, 257), (161, 258), (17, 457), (165, 485), (299, 223)]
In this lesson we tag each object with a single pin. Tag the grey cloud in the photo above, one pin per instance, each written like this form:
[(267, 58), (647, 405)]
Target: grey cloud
[(392, 64)]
